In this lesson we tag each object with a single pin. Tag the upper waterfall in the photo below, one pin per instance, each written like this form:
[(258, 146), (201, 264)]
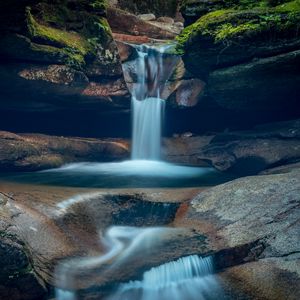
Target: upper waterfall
[(152, 70)]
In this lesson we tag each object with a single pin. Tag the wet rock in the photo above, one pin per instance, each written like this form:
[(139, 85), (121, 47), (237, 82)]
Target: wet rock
[(147, 17), (36, 152), (126, 51), (184, 150), (251, 152), (261, 211)]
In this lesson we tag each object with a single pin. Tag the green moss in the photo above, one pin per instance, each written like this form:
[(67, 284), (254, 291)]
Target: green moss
[(229, 25), (57, 37), (228, 30)]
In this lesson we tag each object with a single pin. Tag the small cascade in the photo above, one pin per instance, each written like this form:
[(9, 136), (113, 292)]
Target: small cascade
[(120, 243), (189, 278), (153, 68)]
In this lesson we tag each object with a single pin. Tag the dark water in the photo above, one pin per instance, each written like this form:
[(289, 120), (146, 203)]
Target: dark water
[(127, 174)]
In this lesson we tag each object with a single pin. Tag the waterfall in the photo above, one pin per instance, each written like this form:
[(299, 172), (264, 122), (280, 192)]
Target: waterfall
[(152, 70), (189, 278)]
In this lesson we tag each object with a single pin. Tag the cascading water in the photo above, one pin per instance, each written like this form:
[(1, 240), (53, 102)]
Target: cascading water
[(152, 70), (189, 278)]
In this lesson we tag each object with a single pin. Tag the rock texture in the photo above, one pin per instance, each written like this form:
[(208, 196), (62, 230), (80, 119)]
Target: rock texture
[(18, 280), (262, 211), (31, 152), (57, 223), (270, 146), (254, 41), (58, 55)]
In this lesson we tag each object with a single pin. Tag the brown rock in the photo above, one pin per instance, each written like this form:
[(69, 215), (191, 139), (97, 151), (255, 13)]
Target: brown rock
[(36, 152), (126, 23), (167, 20)]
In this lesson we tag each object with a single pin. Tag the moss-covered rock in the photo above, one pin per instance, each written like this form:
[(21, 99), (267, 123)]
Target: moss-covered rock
[(52, 51), (236, 35), (76, 30)]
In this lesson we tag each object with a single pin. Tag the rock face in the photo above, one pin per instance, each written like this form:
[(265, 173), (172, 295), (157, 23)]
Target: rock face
[(243, 153), (58, 54), (123, 22), (36, 152), (57, 223), (18, 280), (238, 39), (259, 210)]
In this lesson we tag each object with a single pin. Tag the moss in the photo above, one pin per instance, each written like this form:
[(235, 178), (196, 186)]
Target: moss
[(57, 37), (230, 25), (228, 30)]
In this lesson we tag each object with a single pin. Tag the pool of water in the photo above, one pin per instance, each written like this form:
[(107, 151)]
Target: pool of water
[(127, 174)]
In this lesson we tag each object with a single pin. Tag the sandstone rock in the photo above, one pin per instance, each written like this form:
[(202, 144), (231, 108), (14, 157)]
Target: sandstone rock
[(147, 17), (36, 152)]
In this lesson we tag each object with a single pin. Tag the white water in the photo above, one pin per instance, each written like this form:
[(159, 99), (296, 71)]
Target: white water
[(147, 105), (189, 278), (120, 242), (134, 168)]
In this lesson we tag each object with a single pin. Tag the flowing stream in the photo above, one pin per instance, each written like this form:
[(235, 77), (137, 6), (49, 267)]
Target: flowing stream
[(188, 278)]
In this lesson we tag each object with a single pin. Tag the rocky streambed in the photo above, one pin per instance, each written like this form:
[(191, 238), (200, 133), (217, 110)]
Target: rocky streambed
[(250, 226)]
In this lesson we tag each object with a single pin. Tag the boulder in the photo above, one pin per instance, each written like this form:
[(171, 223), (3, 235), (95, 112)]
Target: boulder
[(167, 20), (147, 17), (123, 22), (31, 152), (262, 211), (241, 152), (18, 281)]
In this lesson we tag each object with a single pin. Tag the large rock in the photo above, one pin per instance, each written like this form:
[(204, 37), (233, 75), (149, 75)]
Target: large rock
[(254, 151), (29, 152), (262, 211), (231, 39), (58, 223), (54, 53), (18, 280), (126, 23)]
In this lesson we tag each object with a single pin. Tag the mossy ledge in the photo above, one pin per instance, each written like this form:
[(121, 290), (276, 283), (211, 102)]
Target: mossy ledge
[(235, 24)]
